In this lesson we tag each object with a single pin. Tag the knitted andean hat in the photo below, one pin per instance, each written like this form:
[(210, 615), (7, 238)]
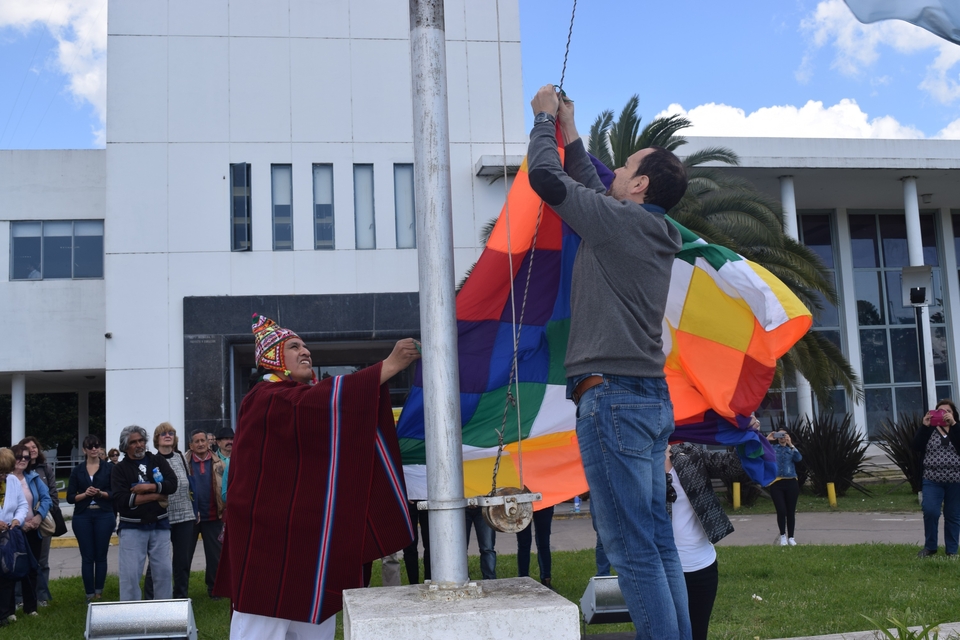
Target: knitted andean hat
[(269, 338)]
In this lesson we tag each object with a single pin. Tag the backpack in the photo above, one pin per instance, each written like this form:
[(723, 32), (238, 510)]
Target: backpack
[(16, 560)]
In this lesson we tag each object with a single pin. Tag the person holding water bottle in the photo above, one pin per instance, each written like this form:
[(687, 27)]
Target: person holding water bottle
[(140, 484)]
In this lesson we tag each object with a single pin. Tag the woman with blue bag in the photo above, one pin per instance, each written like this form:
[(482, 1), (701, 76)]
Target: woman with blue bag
[(39, 502), (13, 511), (88, 490)]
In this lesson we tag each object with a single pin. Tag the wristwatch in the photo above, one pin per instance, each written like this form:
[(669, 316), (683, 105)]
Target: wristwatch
[(542, 117)]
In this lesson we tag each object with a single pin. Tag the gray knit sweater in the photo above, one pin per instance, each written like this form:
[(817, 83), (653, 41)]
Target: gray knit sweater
[(622, 271)]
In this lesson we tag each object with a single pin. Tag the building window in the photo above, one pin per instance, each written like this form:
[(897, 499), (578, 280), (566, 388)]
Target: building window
[(282, 183), (888, 331), (56, 249), (241, 239), (363, 208), (403, 195), (323, 206)]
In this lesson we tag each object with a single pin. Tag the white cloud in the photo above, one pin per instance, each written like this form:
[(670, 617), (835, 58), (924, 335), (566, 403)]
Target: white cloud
[(950, 132), (813, 120), (857, 47), (80, 29)]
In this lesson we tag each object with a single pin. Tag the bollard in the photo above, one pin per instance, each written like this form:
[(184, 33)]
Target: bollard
[(736, 495), (832, 494)]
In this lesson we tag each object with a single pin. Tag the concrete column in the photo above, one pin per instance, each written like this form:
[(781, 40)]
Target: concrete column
[(911, 208), (791, 226), (849, 309), (83, 416), (18, 408)]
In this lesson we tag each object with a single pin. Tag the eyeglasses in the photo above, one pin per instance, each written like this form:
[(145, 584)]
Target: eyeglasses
[(172, 434), (93, 447), (25, 457), (114, 455)]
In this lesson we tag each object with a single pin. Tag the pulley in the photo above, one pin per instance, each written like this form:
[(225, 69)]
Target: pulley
[(515, 512)]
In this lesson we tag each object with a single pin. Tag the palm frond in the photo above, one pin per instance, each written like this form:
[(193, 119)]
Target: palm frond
[(712, 154), (623, 132), (662, 132), (599, 145)]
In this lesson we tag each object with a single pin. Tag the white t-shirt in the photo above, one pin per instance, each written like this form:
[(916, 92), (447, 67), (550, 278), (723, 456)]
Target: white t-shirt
[(696, 551)]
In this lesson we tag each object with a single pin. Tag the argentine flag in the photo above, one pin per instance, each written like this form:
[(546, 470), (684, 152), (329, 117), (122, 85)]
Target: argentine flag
[(941, 17)]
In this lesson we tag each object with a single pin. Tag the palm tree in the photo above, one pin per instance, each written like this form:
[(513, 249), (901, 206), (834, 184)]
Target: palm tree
[(729, 211)]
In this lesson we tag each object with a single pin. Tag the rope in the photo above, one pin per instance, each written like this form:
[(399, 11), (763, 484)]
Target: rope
[(563, 74)]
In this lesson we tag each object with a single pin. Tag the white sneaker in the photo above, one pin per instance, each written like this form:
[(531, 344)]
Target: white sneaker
[(791, 542), (11, 618), (783, 541)]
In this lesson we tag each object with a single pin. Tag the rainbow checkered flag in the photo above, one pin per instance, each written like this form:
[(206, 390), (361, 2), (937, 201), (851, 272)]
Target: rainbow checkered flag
[(727, 321)]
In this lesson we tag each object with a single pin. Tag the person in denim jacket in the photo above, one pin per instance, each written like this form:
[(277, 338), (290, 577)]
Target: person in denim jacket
[(38, 497), (785, 490)]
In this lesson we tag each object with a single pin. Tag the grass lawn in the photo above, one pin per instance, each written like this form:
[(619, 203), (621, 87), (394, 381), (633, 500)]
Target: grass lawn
[(884, 497), (805, 590)]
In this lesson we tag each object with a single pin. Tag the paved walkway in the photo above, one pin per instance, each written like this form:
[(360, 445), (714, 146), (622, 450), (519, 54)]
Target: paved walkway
[(573, 532)]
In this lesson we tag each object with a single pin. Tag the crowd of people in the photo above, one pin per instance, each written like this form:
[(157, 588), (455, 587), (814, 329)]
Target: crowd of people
[(158, 503)]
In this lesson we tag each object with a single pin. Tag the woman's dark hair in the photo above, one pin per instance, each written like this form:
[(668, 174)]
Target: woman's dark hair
[(41, 459), (953, 408), (91, 441), (257, 377), (668, 177)]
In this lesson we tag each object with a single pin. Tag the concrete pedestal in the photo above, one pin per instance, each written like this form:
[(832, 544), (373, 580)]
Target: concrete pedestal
[(518, 608)]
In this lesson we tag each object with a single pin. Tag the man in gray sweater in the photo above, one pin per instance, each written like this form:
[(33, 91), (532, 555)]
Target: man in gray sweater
[(615, 357)]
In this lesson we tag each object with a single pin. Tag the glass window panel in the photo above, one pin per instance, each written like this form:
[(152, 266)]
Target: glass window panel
[(88, 228), (282, 189), (928, 235), (867, 289), (944, 391), (57, 249), (836, 406), (941, 353), (879, 403), (818, 236), (240, 221), (863, 241), (323, 206), (893, 231), (88, 256), (25, 250), (832, 336), (909, 400), (829, 316), (905, 355), (897, 313), (874, 357), (403, 194), (363, 206), (793, 408)]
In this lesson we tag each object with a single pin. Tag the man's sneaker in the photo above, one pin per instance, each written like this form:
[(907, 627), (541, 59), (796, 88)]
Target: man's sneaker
[(926, 553), (43, 603), (33, 613), (791, 542), (11, 618), (783, 541)]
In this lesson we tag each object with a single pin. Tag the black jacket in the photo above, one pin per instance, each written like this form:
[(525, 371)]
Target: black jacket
[(129, 472), (80, 481)]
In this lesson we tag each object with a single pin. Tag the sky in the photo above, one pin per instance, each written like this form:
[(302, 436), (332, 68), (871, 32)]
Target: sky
[(792, 68)]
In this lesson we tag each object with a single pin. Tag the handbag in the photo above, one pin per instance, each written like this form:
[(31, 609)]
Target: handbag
[(53, 524), (15, 557)]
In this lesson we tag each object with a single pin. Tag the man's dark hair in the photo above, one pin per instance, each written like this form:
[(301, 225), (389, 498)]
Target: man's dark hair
[(668, 178)]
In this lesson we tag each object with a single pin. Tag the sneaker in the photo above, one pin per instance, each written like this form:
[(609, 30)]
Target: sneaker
[(783, 541), (791, 542), (33, 613), (11, 618), (926, 553), (43, 603)]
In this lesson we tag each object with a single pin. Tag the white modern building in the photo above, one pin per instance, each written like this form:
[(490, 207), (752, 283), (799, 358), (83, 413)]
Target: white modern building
[(259, 159)]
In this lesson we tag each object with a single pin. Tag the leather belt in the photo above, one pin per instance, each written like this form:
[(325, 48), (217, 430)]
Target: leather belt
[(585, 385)]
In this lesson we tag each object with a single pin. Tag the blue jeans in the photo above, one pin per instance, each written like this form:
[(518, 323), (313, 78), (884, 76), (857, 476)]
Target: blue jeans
[(486, 539), (936, 494), (623, 426), (603, 562), (542, 521), (93, 528)]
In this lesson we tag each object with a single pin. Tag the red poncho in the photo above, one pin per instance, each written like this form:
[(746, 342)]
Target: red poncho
[(316, 491)]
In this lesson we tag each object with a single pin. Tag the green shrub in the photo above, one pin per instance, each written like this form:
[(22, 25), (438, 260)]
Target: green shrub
[(833, 452), (903, 632), (896, 440)]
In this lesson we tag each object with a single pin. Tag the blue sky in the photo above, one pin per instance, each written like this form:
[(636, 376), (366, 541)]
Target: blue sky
[(734, 67)]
